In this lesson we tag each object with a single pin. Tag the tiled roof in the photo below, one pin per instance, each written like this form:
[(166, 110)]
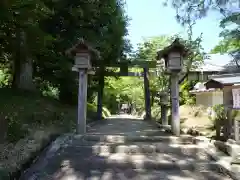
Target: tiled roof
[(226, 78)]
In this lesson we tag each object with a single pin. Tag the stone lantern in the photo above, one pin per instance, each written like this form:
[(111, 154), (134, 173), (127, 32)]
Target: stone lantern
[(173, 61), (164, 106), (163, 97), (173, 56), (82, 53)]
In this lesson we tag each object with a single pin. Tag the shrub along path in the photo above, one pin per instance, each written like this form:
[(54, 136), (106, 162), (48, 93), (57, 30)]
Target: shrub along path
[(123, 147)]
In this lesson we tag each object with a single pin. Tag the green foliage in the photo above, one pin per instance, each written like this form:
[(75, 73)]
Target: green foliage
[(26, 111), (49, 91), (106, 113), (191, 11), (4, 78), (102, 23), (218, 113), (43, 30), (185, 96), (156, 112), (147, 50), (122, 90), (231, 37), (91, 107)]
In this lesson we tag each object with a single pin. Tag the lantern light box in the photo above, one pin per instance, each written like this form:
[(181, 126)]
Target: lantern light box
[(82, 53), (82, 60)]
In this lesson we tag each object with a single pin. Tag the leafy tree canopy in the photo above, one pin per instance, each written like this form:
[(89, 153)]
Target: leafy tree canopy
[(192, 10)]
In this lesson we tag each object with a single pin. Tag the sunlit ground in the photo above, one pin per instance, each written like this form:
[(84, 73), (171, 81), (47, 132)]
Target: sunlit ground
[(125, 116)]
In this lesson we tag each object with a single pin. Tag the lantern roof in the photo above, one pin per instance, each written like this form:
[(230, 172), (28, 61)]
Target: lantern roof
[(82, 46), (175, 46)]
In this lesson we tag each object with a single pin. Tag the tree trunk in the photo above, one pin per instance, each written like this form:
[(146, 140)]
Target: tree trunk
[(100, 93), (153, 94), (23, 65), (218, 130), (68, 90), (147, 94), (24, 76)]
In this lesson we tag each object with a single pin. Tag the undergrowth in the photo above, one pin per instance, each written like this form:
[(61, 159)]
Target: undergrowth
[(28, 119), (22, 111)]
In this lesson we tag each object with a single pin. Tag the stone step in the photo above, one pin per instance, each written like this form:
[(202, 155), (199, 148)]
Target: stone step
[(137, 167), (137, 174), (177, 149), (155, 162), (148, 132), (184, 139), (206, 175), (135, 161)]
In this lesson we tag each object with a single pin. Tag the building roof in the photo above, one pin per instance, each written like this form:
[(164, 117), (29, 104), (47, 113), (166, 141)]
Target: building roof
[(226, 79), (216, 62)]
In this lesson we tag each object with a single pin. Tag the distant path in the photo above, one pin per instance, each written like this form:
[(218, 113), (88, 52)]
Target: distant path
[(144, 152), (124, 125)]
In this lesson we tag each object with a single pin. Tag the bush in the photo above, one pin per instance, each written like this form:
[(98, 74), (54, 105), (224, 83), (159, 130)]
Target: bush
[(91, 107), (4, 78), (22, 112), (185, 96), (217, 113), (156, 112)]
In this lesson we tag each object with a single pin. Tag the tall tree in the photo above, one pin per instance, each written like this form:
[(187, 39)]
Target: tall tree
[(21, 37), (231, 37), (103, 23)]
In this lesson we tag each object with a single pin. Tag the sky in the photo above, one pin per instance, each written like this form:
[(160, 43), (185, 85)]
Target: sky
[(150, 18)]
